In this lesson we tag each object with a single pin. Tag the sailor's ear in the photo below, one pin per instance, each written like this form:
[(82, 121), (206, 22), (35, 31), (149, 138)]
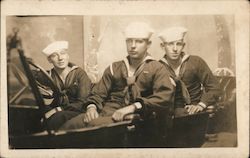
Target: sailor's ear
[(162, 45), (49, 60), (149, 44), (184, 44)]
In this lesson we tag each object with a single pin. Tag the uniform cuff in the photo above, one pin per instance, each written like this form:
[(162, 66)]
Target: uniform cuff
[(91, 105), (138, 105), (202, 104)]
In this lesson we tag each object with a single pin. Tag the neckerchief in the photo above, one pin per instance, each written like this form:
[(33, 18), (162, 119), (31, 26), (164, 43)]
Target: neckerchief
[(177, 77), (132, 91), (63, 92)]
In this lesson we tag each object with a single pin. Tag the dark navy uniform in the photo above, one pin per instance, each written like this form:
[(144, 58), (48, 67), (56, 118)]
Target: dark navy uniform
[(73, 94), (196, 77), (152, 88)]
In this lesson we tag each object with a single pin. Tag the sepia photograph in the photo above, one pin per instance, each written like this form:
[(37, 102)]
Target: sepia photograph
[(111, 83)]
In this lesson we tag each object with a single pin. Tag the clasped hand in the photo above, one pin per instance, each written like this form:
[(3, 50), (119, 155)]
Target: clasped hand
[(192, 109), (117, 116), (90, 114), (120, 113)]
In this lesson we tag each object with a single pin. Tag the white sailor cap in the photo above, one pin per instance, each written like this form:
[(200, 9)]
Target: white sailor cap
[(173, 34), (138, 30), (55, 46)]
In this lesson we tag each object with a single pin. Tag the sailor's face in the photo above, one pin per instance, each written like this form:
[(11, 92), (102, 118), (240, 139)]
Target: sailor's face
[(173, 49), (137, 47), (59, 59)]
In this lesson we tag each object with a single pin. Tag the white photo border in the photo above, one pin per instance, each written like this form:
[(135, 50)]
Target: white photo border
[(240, 10)]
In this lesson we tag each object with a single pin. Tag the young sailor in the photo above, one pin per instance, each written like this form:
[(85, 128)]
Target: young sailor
[(137, 84)]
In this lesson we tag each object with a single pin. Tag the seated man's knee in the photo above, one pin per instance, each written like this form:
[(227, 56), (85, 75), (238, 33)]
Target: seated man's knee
[(74, 123), (59, 118), (101, 121), (178, 112)]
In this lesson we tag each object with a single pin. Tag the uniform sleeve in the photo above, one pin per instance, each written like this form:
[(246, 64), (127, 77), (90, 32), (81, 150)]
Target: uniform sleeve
[(101, 90), (209, 82), (163, 91), (84, 88)]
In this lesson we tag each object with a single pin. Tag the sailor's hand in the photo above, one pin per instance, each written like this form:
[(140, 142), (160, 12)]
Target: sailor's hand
[(119, 114), (90, 114), (192, 109)]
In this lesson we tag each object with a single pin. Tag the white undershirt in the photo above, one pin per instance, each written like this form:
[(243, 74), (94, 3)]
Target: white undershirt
[(130, 72), (177, 70)]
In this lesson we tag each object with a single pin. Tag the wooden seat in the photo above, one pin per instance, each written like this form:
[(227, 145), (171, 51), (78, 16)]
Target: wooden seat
[(158, 129)]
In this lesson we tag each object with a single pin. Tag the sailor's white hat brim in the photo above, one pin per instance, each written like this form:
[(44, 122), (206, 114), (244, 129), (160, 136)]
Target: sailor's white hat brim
[(138, 30), (173, 34), (54, 47)]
